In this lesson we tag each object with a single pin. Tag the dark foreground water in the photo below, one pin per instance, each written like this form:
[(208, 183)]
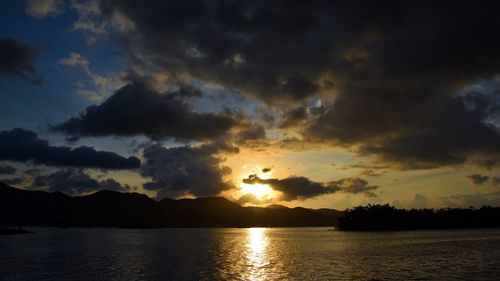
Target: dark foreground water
[(249, 254)]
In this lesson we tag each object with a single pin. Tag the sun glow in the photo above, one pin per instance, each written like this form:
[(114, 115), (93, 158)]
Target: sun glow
[(260, 191), (263, 193)]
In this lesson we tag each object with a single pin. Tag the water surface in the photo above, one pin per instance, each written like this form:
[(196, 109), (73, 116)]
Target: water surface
[(249, 254)]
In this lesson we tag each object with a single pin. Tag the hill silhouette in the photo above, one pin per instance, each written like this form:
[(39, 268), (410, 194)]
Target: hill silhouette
[(116, 209)]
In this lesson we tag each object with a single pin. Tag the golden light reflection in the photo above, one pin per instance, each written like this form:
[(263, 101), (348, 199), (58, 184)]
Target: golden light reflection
[(257, 253)]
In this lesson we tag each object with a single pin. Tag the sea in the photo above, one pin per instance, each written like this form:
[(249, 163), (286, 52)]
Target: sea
[(249, 254)]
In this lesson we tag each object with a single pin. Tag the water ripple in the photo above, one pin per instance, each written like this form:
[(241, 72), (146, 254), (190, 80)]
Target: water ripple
[(249, 254)]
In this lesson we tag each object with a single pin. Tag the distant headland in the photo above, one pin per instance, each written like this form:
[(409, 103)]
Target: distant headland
[(114, 209)]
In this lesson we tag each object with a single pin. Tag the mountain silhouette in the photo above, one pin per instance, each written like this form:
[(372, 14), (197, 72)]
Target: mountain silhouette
[(115, 209), (276, 206)]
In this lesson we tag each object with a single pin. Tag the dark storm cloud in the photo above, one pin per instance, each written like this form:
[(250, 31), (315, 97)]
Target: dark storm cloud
[(135, 109), (294, 117), (477, 179), (293, 188), (23, 146), (438, 131), (17, 58), (251, 132), (186, 170), (300, 188), (495, 181), (394, 67), (74, 181), (238, 44), (7, 170), (283, 48), (354, 186)]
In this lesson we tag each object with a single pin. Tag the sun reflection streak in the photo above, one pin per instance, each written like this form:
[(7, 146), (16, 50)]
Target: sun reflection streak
[(257, 253)]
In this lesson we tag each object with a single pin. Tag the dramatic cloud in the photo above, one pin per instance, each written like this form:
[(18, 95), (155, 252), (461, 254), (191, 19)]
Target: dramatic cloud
[(186, 170), (354, 186), (75, 182), (293, 188), (300, 188), (137, 110), (294, 117), (251, 132), (17, 58), (477, 179), (399, 105), (440, 131), (23, 145), (7, 170), (237, 44), (44, 8), (292, 49)]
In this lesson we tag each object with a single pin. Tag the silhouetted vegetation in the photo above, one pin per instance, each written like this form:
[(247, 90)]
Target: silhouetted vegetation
[(385, 217), (13, 231)]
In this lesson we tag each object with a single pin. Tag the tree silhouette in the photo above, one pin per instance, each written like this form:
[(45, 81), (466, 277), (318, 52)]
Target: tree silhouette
[(386, 217)]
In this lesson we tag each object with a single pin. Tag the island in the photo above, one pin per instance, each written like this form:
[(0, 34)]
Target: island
[(386, 217)]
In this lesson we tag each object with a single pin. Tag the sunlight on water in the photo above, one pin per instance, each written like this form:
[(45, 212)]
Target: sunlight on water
[(256, 253), (264, 254)]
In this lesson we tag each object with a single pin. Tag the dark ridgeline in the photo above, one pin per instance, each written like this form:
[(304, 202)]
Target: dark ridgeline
[(115, 209), (13, 231), (385, 217)]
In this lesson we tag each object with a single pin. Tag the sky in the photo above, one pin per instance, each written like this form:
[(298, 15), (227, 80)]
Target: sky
[(320, 104)]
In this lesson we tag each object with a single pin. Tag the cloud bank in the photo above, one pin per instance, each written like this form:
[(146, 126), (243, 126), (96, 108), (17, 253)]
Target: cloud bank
[(135, 109), (392, 70), (186, 170), (25, 146), (301, 188), (74, 181), (17, 59)]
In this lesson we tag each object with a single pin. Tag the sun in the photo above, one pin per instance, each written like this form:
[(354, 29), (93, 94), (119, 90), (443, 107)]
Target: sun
[(260, 191)]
